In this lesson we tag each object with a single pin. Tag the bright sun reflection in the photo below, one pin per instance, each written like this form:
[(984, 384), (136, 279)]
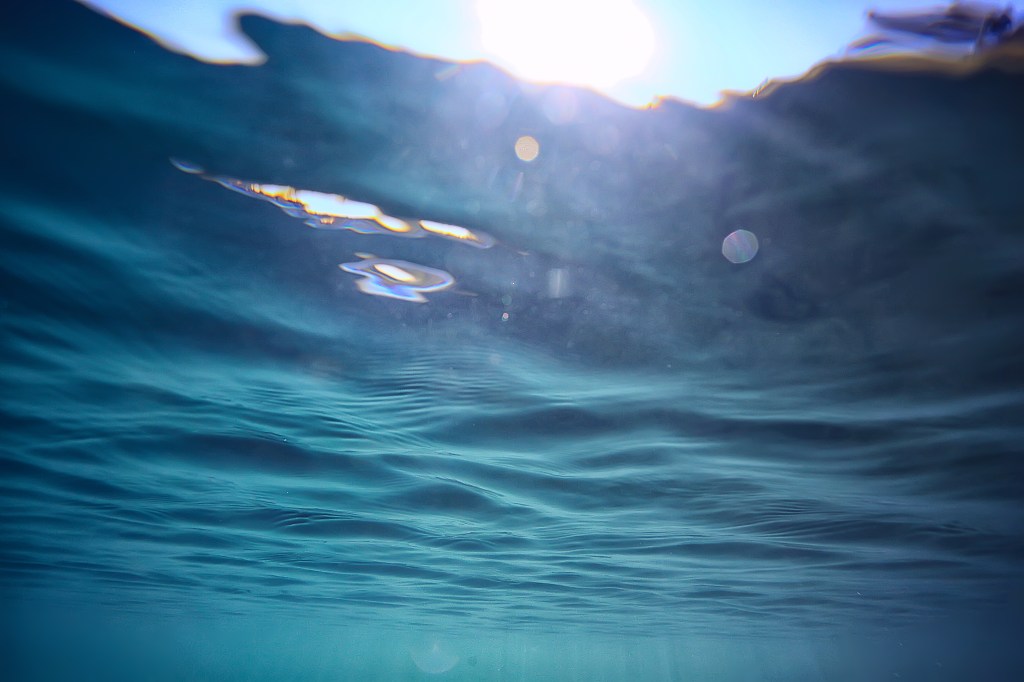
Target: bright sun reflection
[(596, 43)]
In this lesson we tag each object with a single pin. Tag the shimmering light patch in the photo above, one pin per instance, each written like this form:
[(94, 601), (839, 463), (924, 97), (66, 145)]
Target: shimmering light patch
[(481, 240), (740, 246), (397, 278), (527, 148)]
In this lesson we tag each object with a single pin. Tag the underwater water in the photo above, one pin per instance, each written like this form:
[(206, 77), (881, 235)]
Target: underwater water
[(362, 366)]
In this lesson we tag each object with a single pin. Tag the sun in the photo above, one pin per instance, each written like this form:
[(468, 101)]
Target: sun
[(594, 43)]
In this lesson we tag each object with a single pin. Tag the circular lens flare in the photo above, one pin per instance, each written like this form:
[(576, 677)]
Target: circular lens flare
[(740, 246)]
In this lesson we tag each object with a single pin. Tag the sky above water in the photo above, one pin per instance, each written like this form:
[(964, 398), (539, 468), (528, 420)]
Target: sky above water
[(632, 50)]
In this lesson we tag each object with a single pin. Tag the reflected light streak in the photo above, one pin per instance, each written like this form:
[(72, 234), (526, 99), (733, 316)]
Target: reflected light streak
[(335, 212), (397, 279), (481, 240)]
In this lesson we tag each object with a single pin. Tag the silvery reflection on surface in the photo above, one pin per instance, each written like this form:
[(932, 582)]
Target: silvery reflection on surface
[(527, 148), (327, 211), (397, 278)]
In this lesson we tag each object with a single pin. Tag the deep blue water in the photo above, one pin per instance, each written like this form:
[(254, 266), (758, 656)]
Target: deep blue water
[(605, 453)]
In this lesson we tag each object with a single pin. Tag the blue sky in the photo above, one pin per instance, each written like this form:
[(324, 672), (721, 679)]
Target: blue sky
[(690, 50)]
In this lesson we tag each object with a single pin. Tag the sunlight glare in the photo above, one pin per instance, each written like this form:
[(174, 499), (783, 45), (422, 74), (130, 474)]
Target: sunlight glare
[(595, 43)]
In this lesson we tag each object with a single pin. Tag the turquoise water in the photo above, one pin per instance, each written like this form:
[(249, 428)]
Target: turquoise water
[(624, 442)]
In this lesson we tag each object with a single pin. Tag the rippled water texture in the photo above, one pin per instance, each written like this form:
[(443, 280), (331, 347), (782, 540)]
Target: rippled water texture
[(733, 393)]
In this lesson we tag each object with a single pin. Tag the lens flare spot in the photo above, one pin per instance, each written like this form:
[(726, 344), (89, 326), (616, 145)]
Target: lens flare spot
[(434, 658), (740, 246), (527, 148)]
